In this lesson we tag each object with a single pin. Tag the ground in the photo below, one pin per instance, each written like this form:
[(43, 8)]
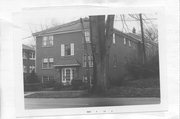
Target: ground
[(45, 103)]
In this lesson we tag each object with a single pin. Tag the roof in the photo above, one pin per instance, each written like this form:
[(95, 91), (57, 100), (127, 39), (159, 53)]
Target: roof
[(67, 62), (68, 27), (27, 47)]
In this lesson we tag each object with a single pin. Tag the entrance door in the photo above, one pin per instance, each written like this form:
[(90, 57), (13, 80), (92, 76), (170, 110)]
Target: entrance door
[(67, 75)]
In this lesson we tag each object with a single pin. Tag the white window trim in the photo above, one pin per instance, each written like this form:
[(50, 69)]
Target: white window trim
[(48, 61), (47, 41), (71, 75)]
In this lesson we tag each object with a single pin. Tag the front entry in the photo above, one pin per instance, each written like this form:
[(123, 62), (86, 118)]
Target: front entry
[(68, 74)]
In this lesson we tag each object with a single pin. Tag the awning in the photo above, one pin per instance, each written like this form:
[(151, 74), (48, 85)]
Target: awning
[(66, 63)]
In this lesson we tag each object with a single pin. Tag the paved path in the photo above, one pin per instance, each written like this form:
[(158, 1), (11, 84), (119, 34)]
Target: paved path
[(44, 103)]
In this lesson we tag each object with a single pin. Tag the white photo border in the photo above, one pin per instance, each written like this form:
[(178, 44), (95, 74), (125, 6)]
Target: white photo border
[(94, 10)]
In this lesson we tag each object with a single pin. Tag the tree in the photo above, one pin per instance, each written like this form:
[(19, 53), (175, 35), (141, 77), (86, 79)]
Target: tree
[(151, 33), (101, 38)]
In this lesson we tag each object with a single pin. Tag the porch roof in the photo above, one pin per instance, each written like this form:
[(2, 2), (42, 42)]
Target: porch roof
[(67, 63)]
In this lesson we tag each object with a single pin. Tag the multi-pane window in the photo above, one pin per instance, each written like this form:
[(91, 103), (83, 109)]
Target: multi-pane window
[(47, 41), (68, 74), (114, 38), (88, 59), (32, 55), (87, 36), (47, 63), (67, 49)]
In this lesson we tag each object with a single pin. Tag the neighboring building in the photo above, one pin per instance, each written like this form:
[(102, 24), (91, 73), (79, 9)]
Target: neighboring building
[(28, 60), (60, 53)]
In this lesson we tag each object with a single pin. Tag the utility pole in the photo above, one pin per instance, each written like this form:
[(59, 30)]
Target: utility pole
[(87, 54), (143, 42)]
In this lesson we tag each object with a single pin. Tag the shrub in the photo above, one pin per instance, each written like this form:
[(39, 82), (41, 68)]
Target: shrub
[(77, 84), (32, 78)]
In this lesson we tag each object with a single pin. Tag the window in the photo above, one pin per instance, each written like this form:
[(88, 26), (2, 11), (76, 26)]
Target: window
[(114, 38), (88, 59), (87, 36), (31, 68), (47, 41), (67, 49), (84, 61), (124, 41), (47, 63), (68, 75), (46, 79), (115, 61), (25, 69), (24, 55), (129, 43), (32, 55)]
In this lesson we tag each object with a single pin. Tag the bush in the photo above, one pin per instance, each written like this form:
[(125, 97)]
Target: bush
[(77, 84), (32, 78), (139, 70), (32, 87), (48, 84)]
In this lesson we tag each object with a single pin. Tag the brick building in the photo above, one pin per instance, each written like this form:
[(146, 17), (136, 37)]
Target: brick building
[(60, 52), (28, 60)]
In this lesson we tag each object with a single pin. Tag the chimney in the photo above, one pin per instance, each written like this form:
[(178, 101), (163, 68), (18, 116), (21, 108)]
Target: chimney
[(134, 30)]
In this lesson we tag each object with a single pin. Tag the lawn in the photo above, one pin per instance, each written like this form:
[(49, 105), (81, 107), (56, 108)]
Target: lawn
[(136, 88)]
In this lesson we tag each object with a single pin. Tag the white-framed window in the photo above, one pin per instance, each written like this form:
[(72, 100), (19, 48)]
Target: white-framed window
[(67, 49), (68, 74), (88, 59), (87, 36), (114, 38), (124, 41), (25, 69), (31, 68), (24, 55), (32, 55), (47, 41), (47, 63)]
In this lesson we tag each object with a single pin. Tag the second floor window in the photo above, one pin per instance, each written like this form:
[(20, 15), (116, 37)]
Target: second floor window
[(47, 63), (47, 41), (87, 36), (67, 49), (32, 55), (88, 59)]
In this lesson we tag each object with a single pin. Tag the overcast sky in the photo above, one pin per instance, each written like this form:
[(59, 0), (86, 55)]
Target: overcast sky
[(33, 20)]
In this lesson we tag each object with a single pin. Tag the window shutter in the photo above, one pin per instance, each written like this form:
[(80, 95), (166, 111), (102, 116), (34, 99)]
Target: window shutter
[(62, 49), (72, 48), (114, 40)]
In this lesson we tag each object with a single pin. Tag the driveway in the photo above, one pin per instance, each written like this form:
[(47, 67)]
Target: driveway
[(46, 103)]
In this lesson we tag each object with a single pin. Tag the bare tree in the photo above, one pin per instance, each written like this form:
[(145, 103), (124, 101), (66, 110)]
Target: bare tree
[(151, 33)]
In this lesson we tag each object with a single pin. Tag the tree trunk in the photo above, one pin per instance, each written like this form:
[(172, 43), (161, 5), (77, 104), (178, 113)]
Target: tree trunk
[(100, 39)]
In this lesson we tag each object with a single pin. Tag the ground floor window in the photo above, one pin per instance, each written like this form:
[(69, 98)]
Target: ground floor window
[(68, 74), (47, 79)]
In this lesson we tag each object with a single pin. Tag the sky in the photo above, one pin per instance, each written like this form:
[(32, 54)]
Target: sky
[(35, 19)]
